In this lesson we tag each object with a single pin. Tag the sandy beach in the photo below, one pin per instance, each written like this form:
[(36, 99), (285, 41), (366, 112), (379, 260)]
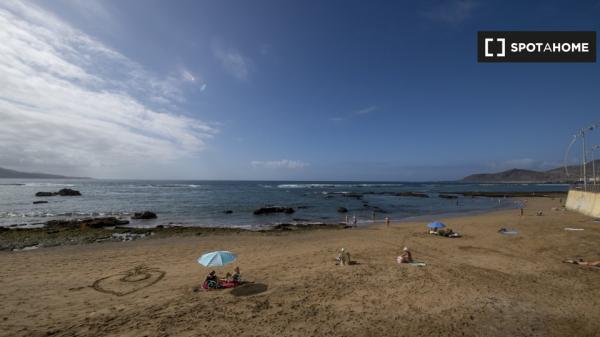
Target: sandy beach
[(483, 284)]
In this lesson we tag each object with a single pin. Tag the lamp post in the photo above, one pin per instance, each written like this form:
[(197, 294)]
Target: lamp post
[(592, 151), (581, 134), (584, 159)]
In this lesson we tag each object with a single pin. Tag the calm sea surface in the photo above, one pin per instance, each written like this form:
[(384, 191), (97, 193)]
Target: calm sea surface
[(203, 203)]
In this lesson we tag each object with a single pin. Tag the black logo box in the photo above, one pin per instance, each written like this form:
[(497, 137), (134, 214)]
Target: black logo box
[(544, 37)]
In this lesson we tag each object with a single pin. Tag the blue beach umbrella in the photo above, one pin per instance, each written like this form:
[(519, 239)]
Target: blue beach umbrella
[(217, 259), (436, 225)]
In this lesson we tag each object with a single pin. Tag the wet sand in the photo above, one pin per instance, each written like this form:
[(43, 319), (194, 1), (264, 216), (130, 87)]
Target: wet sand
[(483, 284)]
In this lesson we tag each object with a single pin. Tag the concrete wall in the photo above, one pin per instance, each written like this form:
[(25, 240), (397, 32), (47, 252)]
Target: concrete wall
[(587, 203)]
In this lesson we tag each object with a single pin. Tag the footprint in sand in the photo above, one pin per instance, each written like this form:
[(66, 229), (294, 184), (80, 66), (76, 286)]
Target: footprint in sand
[(129, 281)]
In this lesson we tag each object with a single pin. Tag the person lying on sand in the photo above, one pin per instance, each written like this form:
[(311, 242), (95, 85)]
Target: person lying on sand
[(448, 232), (581, 262), (406, 256)]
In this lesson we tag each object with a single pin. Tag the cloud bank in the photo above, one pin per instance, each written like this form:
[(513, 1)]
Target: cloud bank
[(279, 164), (68, 101)]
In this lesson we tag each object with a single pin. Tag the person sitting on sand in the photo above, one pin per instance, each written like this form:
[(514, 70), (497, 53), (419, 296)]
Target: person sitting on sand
[(581, 262), (343, 258), (236, 277), (212, 281), (406, 256)]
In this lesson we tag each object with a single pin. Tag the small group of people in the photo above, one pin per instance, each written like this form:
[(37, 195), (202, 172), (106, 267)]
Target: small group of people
[(343, 258), (447, 232), (229, 281)]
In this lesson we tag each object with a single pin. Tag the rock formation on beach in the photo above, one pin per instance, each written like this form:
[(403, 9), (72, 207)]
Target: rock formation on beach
[(86, 223), (144, 215)]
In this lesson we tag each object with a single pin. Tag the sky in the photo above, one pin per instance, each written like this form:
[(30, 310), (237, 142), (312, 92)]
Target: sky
[(285, 90)]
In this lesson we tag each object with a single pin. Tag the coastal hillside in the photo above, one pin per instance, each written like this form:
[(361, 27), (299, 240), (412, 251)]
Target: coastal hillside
[(12, 174), (556, 175)]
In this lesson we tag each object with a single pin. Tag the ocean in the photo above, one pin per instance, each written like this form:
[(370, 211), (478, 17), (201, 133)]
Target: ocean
[(204, 203)]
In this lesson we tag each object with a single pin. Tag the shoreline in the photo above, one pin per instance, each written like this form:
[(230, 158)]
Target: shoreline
[(30, 238)]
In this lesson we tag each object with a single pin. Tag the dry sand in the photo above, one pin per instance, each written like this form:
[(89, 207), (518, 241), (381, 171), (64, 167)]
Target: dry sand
[(484, 284)]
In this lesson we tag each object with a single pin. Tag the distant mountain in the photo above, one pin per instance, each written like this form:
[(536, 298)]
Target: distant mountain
[(557, 175), (6, 173)]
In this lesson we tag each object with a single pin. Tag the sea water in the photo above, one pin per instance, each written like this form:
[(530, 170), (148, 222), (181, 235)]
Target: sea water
[(204, 203)]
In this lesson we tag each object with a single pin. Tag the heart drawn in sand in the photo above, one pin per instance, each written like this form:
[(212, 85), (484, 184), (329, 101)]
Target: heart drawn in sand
[(129, 281)]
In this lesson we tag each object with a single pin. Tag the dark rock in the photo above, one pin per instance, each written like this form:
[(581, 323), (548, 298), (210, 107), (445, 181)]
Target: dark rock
[(86, 223), (412, 194), (144, 215), (274, 209), (375, 209), (353, 195), (228, 211), (302, 207), (40, 202), (283, 227), (342, 210), (448, 196), (65, 192), (68, 192)]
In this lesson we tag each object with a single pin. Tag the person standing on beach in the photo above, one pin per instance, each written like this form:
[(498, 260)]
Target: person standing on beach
[(521, 211), (387, 222), (354, 220)]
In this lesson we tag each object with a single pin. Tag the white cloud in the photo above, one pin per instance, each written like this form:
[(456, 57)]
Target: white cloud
[(279, 164), (187, 76), (232, 61), (68, 101), (454, 11), (366, 110)]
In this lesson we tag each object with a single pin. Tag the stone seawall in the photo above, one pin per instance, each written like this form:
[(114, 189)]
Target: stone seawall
[(587, 203)]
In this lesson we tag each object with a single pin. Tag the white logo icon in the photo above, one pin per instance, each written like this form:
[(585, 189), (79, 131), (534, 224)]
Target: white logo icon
[(500, 54)]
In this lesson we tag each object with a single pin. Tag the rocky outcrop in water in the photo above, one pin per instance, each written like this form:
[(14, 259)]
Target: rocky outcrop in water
[(448, 196), (274, 209), (87, 223), (306, 226), (411, 194), (342, 210), (146, 215), (65, 192), (40, 202)]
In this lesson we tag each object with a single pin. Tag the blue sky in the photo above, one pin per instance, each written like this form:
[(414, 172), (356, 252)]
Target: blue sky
[(308, 90)]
